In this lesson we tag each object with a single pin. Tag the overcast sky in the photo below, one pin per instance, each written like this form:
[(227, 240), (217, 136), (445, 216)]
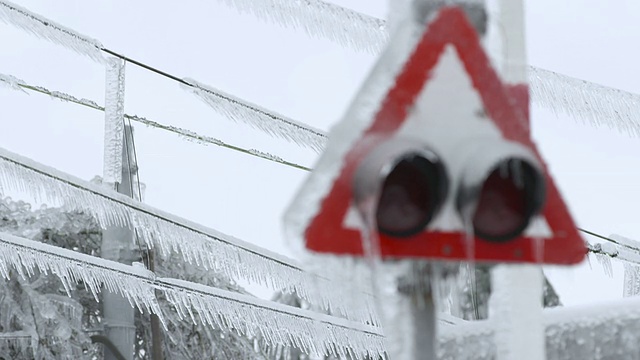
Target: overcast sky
[(307, 79)]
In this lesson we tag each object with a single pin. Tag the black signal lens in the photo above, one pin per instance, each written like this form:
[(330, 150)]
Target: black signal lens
[(411, 194), (510, 196)]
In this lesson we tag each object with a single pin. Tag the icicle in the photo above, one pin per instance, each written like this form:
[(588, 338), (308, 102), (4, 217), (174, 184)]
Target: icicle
[(44, 28), (12, 82), (320, 19), (282, 325), (197, 244), (605, 261), (262, 119), (114, 121), (597, 104), (631, 280), (72, 267)]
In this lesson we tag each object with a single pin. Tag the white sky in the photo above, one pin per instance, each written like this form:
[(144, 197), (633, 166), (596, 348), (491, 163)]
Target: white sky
[(311, 80)]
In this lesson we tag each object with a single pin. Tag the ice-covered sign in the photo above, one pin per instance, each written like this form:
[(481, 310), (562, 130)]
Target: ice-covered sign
[(434, 92)]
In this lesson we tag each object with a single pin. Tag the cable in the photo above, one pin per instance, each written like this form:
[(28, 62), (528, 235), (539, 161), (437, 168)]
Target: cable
[(228, 105), (201, 139)]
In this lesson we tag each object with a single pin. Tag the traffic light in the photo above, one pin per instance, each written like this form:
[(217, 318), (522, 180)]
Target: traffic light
[(402, 185)]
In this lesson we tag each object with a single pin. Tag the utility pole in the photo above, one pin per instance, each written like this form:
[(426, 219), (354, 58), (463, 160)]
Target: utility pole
[(117, 245)]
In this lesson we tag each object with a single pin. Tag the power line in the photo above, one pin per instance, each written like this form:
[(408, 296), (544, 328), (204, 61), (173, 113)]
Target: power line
[(192, 135), (232, 107), (197, 244), (16, 83), (580, 99), (215, 307)]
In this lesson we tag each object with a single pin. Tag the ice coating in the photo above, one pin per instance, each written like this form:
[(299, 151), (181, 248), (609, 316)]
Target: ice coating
[(196, 244), (594, 104), (590, 102), (262, 119), (11, 82), (601, 331), (631, 285), (114, 120), (188, 135), (320, 19), (277, 324), (44, 28), (515, 309), (26, 256)]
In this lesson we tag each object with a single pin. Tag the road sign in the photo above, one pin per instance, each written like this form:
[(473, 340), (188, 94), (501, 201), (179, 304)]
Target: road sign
[(446, 95)]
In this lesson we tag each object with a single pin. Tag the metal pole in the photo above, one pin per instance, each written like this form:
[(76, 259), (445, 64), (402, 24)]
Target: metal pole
[(516, 301), (407, 308), (117, 245), (156, 331)]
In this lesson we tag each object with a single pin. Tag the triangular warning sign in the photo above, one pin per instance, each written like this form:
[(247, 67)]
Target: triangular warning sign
[(323, 214)]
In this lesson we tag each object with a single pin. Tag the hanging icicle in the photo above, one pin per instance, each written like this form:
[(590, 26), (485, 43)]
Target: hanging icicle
[(44, 28), (260, 118), (593, 103), (11, 82), (27, 256), (631, 280), (114, 120), (320, 19), (197, 244), (277, 324)]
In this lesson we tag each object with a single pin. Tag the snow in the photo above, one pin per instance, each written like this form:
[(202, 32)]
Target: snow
[(197, 244), (278, 324), (114, 120), (44, 28), (260, 118)]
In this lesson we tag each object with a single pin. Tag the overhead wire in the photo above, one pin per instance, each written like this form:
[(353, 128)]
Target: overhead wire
[(185, 133), (229, 106)]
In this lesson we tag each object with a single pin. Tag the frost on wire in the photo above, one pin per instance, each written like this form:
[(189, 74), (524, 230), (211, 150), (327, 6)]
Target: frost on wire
[(114, 120), (260, 118), (188, 135), (44, 28), (593, 103), (320, 19), (197, 244), (277, 324), (12, 82), (27, 256)]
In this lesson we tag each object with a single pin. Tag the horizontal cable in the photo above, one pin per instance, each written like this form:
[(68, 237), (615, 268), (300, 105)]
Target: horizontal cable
[(225, 104), (580, 99), (278, 324), (18, 84), (171, 234)]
